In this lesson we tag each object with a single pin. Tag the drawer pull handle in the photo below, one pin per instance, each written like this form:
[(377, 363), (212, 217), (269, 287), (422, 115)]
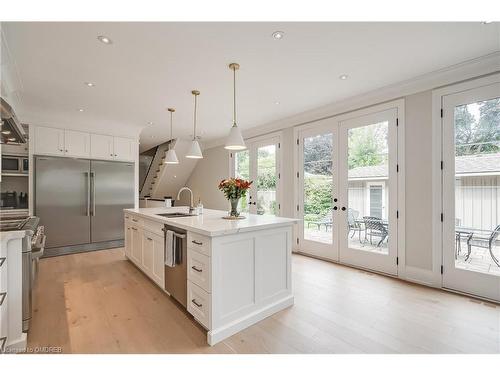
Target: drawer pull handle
[(2, 297), (2, 261), (197, 242), (149, 239), (3, 340), (134, 228), (196, 303), (196, 269), (134, 220)]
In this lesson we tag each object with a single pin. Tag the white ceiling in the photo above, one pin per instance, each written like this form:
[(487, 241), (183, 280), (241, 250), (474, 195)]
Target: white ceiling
[(151, 66)]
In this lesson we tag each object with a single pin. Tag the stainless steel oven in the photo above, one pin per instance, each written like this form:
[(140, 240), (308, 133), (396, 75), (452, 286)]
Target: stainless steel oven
[(15, 165)]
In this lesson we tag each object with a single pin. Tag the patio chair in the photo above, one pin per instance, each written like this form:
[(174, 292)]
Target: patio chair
[(485, 242), (375, 228), (325, 220), (353, 224)]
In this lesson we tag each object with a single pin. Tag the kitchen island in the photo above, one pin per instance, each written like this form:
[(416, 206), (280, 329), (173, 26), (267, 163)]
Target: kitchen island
[(238, 271)]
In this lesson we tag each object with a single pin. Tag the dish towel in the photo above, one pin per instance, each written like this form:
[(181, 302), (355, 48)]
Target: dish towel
[(170, 249)]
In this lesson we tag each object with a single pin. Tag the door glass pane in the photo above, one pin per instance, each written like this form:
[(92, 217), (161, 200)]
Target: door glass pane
[(368, 192), (242, 170), (477, 192), (266, 180), (318, 185)]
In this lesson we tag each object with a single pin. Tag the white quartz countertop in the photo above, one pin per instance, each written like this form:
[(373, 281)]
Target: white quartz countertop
[(211, 223)]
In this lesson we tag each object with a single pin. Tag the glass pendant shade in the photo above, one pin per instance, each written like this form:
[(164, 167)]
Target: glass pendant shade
[(194, 151), (171, 157), (235, 140)]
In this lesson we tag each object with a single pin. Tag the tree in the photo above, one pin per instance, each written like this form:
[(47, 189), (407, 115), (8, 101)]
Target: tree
[(478, 136), (367, 145)]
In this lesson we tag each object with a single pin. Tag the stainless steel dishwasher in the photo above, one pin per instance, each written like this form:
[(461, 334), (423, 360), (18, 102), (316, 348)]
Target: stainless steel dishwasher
[(176, 276)]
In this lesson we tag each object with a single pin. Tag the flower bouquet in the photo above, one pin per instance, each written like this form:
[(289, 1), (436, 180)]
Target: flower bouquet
[(234, 189)]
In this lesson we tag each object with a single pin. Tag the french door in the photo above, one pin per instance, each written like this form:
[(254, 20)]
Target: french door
[(347, 190), (471, 191), (368, 190), (260, 163)]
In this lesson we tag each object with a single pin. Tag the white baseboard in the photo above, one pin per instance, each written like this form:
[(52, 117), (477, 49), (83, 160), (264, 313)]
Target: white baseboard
[(219, 334), (420, 276)]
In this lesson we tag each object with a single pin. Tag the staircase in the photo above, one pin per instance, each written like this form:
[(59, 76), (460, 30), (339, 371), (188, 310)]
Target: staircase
[(166, 179)]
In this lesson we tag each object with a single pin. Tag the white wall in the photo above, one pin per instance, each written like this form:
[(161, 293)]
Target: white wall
[(206, 176), (418, 178)]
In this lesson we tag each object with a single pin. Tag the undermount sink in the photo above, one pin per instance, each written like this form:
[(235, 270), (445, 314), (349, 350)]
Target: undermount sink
[(175, 214)]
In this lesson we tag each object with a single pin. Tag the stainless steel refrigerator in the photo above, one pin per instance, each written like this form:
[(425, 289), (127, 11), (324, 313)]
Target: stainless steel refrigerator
[(80, 202)]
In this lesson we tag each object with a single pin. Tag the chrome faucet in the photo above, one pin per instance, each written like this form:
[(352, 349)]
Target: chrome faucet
[(192, 210)]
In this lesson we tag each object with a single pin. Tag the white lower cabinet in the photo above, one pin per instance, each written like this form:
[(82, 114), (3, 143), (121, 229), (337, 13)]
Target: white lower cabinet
[(199, 304), (136, 250), (144, 246), (158, 270)]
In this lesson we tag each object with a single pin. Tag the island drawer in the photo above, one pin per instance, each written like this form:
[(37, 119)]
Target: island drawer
[(198, 267), (198, 304), (153, 226), (199, 243), (134, 220)]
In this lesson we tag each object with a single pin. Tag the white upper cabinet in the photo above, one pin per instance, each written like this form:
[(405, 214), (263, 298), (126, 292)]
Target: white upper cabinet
[(76, 144), (124, 149), (101, 147), (49, 141)]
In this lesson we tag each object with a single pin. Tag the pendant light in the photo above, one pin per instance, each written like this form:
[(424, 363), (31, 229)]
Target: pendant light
[(171, 156), (235, 140), (195, 150)]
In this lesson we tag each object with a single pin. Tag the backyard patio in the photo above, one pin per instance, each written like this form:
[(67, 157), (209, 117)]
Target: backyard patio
[(479, 260)]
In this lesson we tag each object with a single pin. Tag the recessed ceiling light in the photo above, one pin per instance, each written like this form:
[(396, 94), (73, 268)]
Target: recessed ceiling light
[(276, 103), (11, 139), (343, 77), (104, 39), (150, 122), (6, 132), (89, 84), (278, 35), (486, 22), (80, 110)]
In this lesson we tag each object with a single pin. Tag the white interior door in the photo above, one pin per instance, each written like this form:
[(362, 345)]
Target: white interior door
[(317, 189), (367, 215), (471, 191), (260, 163)]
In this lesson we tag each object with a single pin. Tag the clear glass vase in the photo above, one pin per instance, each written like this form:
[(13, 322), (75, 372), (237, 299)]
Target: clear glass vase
[(234, 207)]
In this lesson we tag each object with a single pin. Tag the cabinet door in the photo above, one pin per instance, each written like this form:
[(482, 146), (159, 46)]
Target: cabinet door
[(128, 239), (158, 272), (124, 149), (101, 146), (49, 141), (136, 251), (76, 144), (147, 252)]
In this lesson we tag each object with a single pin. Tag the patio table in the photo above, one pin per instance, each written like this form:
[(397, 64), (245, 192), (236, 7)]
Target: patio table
[(466, 233)]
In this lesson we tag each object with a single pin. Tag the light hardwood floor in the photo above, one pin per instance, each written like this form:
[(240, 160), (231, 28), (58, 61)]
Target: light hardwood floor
[(100, 303)]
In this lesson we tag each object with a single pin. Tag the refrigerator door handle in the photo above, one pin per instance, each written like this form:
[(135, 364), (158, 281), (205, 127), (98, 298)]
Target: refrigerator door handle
[(87, 208), (92, 180)]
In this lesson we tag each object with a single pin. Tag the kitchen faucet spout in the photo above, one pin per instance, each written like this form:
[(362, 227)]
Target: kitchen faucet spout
[(191, 206)]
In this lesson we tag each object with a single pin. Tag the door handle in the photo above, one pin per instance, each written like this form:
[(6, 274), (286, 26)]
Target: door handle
[(2, 297), (92, 183), (87, 209), (196, 269), (197, 243), (3, 340), (2, 261)]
